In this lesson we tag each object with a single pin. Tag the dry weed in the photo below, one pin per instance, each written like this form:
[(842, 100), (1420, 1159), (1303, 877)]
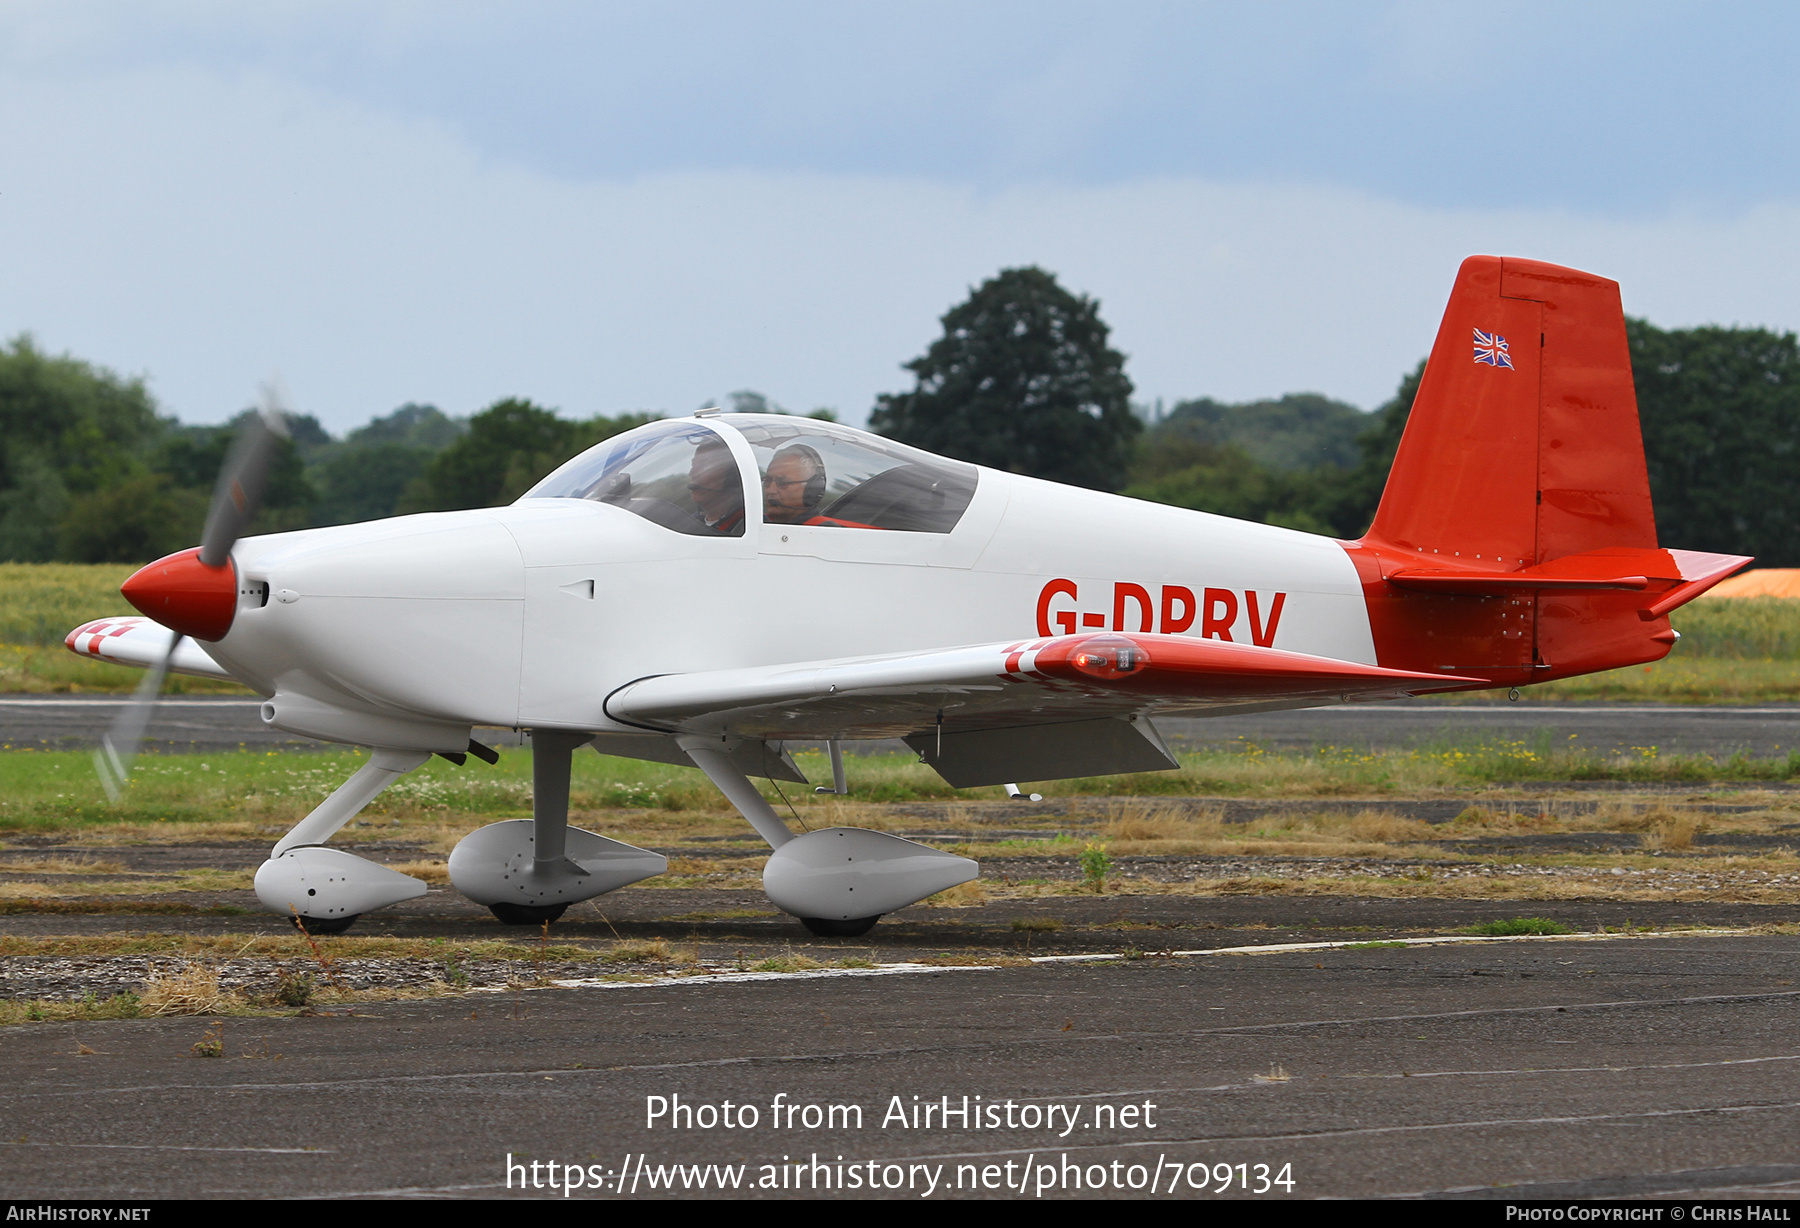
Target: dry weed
[(964, 895), (1672, 832), (1624, 816), (1484, 819), (714, 871), (1385, 827), (1660, 827), (431, 871), (26, 891), (192, 989), (60, 865), (1164, 823), (787, 963)]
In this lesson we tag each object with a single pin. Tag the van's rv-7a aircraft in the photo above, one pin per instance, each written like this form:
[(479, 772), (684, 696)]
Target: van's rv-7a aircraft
[(642, 601)]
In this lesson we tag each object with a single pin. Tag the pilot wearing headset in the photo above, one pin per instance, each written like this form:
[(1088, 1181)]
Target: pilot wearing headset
[(794, 486)]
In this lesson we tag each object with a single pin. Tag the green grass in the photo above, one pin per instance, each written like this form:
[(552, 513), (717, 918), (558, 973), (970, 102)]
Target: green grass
[(48, 789), (253, 793), (32, 670), (42, 602), (1732, 651), (1518, 925), (1740, 628), (1680, 679)]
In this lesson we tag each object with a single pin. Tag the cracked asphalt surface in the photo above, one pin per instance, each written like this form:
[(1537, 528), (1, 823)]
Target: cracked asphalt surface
[(1662, 1065)]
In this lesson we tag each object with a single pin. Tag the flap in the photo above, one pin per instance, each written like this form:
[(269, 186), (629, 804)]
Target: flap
[(1044, 752), (990, 686)]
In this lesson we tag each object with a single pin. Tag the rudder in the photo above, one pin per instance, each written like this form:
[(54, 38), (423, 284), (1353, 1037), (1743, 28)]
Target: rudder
[(1523, 443)]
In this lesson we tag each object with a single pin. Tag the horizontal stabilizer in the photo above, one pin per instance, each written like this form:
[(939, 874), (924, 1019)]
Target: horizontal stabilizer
[(1682, 573)]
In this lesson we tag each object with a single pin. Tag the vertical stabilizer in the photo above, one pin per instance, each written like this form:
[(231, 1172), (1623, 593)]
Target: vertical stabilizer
[(1523, 443)]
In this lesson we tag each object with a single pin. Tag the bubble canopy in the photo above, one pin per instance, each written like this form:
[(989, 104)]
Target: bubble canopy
[(680, 474)]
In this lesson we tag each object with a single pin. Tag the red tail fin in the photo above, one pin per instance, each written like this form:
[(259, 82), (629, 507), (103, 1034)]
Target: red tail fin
[(1523, 442), (1515, 542)]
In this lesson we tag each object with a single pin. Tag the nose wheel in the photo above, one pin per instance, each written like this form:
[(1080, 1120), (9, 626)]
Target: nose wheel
[(855, 927), (322, 926)]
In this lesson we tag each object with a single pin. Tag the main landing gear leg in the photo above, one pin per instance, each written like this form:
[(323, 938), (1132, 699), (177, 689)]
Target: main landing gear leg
[(326, 889), (528, 871), (552, 761), (710, 756), (838, 881)]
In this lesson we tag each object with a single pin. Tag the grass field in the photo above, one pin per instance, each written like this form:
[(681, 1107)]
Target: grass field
[(258, 792), (1732, 651), (40, 603)]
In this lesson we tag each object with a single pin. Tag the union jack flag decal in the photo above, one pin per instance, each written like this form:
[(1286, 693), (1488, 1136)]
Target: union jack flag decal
[(1491, 349)]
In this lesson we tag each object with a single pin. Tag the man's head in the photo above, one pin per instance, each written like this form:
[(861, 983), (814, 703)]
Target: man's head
[(713, 481), (794, 485)]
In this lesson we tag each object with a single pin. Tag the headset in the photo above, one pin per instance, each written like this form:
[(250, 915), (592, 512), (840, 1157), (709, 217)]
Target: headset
[(815, 485)]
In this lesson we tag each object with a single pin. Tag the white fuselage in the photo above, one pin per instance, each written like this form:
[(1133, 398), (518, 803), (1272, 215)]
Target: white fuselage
[(530, 615)]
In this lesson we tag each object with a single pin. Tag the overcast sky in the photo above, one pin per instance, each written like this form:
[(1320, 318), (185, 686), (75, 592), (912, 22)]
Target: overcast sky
[(607, 207)]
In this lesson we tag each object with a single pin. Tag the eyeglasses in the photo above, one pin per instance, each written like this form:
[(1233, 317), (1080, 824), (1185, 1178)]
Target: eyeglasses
[(772, 480)]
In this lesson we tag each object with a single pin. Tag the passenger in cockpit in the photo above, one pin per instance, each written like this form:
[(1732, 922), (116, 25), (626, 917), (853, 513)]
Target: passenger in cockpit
[(715, 488)]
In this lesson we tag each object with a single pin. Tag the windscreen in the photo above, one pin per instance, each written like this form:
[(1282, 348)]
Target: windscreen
[(680, 475)]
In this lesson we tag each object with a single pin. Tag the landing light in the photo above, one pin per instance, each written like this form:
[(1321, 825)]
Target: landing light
[(1110, 656)]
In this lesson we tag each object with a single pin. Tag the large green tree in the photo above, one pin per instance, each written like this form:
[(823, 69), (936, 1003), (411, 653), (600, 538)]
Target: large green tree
[(67, 429), (1224, 459), (1346, 500), (150, 514), (510, 446), (1023, 380), (1297, 431), (1720, 408), (366, 476)]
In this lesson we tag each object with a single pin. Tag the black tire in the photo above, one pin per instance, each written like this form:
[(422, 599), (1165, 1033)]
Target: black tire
[(325, 925), (856, 927), (526, 914)]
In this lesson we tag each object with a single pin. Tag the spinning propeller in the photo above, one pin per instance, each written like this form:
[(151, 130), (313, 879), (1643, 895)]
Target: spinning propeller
[(195, 592)]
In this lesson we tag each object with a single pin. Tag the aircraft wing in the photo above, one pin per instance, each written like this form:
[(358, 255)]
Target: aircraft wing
[(135, 640), (1027, 710)]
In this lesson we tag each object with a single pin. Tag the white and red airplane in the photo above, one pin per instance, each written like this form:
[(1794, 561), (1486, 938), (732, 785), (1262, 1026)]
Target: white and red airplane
[(707, 590)]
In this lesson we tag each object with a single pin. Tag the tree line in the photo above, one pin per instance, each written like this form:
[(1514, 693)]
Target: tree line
[(1023, 378)]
